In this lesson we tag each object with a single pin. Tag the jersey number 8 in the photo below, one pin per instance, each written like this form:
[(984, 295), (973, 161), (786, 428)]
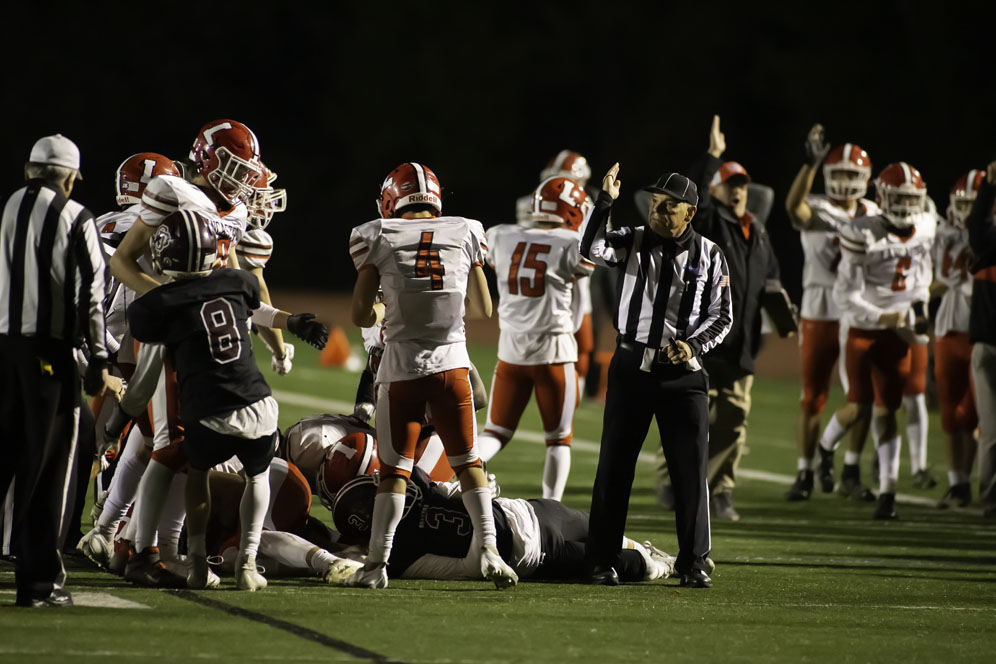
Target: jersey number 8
[(222, 332)]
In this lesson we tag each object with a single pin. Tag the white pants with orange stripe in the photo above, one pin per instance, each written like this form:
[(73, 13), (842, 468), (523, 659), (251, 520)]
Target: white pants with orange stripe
[(556, 387)]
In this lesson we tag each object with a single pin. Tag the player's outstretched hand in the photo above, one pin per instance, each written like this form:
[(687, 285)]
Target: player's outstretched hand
[(717, 139), (816, 146), (310, 330), (611, 181), (282, 365)]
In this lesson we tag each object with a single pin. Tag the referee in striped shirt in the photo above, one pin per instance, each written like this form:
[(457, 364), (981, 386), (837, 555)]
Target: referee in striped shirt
[(673, 306), (51, 300)]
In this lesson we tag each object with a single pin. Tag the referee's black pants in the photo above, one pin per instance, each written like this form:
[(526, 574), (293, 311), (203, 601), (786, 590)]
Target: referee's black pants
[(679, 399), (39, 411)]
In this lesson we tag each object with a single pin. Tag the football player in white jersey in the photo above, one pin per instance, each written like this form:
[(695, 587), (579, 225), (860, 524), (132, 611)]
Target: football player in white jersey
[(537, 269), (952, 350), (819, 218), (882, 289), (428, 265)]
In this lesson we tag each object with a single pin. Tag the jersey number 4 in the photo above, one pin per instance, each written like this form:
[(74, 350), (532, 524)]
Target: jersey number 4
[(902, 268), (537, 286), (222, 332), (427, 263)]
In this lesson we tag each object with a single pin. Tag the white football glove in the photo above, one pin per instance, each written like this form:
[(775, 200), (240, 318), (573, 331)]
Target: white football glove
[(282, 366), (908, 335), (107, 441)]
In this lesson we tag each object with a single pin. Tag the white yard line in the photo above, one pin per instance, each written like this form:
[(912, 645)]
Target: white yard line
[(336, 406), (99, 600)]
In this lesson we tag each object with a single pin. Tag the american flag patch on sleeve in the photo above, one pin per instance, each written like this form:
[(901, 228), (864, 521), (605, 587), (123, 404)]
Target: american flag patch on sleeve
[(724, 281)]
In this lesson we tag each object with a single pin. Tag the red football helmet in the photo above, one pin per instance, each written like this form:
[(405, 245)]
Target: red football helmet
[(226, 154), (136, 171), (409, 184), (963, 194), (561, 200), (184, 245), (846, 172), (567, 164), (901, 193), (265, 200), (351, 456)]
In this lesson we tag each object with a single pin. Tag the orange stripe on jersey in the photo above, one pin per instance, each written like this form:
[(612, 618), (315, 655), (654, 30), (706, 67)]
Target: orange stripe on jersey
[(242, 251), (360, 251), (986, 274), (356, 241), (148, 197), (256, 245)]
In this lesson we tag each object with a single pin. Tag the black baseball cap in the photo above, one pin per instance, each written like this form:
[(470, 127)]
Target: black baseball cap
[(676, 186)]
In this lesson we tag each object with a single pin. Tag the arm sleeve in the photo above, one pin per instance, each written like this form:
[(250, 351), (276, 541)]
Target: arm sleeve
[(850, 282), (148, 366), (255, 249), (981, 230), (822, 218), (361, 244), (145, 320), (158, 200), (719, 319), (90, 283), (491, 237), (479, 243), (606, 248), (701, 172), (264, 315)]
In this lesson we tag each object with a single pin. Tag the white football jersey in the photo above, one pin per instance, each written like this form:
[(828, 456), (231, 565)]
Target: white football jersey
[(255, 249), (952, 259), (881, 272), (307, 441), (821, 251), (536, 269), (167, 193), (424, 265)]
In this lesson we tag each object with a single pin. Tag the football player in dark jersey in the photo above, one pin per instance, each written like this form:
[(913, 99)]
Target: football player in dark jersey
[(541, 539), (226, 408)]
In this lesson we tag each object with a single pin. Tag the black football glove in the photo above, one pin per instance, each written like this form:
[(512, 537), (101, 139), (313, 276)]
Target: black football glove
[(816, 146), (308, 329)]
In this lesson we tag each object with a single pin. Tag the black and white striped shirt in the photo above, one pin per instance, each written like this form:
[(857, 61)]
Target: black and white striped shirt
[(676, 288), (51, 269)]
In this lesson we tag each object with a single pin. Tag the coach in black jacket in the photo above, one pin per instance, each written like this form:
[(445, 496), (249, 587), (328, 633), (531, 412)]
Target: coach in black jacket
[(723, 218), (982, 333)]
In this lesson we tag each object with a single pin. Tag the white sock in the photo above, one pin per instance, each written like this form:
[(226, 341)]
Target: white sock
[(954, 477), (320, 560), (888, 464), (555, 470), (581, 382), (832, 434), (152, 494), (252, 511), (803, 464), (388, 510), (916, 430), (174, 512), (851, 458), (124, 485), (487, 446), (478, 504), (287, 549)]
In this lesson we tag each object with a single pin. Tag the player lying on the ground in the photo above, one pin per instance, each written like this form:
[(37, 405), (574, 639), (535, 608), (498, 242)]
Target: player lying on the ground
[(540, 539)]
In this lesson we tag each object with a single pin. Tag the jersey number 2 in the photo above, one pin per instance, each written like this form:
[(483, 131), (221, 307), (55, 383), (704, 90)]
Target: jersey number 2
[(902, 265), (427, 262), (537, 286), (222, 332)]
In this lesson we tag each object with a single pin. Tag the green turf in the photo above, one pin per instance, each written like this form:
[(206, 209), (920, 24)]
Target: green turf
[(816, 581)]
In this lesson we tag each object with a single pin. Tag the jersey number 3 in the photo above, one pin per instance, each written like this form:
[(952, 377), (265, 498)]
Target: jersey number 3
[(537, 286), (427, 262), (222, 332)]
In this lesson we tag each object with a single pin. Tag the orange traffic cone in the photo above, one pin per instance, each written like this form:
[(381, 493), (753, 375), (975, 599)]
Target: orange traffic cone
[(337, 350)]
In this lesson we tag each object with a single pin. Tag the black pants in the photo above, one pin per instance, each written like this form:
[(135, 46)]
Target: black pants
[(39, 415), (205, 448), (680, 402)]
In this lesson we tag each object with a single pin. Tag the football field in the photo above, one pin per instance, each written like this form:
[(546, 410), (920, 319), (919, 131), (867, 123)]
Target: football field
[(813, 581)]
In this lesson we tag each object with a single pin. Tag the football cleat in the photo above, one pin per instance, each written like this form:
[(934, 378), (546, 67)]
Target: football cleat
[(200, 575), (802, 488), (494, 569), (98, 548), (886, 508), (247, 575), (924, 479), (959, 495), (721, 507), (850, 485), (826, 470), (340, 570), (146, 569), (371, 575)]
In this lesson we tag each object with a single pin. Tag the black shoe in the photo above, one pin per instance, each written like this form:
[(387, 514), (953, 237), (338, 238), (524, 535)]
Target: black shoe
[(721, 507), (56, 598), (924, 479), (695, 578), (959, 495), (850, 485), (603, 576), (826, 470), (886, 508), (802, 488), (145, 569)]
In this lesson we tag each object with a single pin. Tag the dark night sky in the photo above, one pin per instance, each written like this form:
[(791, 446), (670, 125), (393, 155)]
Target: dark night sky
[(485, 94)]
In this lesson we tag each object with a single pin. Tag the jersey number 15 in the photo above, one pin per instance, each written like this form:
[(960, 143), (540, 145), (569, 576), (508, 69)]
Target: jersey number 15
[(537, 286)]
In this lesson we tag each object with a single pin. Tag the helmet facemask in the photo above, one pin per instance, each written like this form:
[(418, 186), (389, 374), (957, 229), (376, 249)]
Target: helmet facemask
[(233, 177), (846, 182), (901, 205)]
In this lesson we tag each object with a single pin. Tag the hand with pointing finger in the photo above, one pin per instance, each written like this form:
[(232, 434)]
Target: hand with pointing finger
[(717, 139), (611, 183)]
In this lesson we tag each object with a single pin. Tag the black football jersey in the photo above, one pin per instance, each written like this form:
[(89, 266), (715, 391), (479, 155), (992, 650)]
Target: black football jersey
[(204, 324), (439, 524)]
